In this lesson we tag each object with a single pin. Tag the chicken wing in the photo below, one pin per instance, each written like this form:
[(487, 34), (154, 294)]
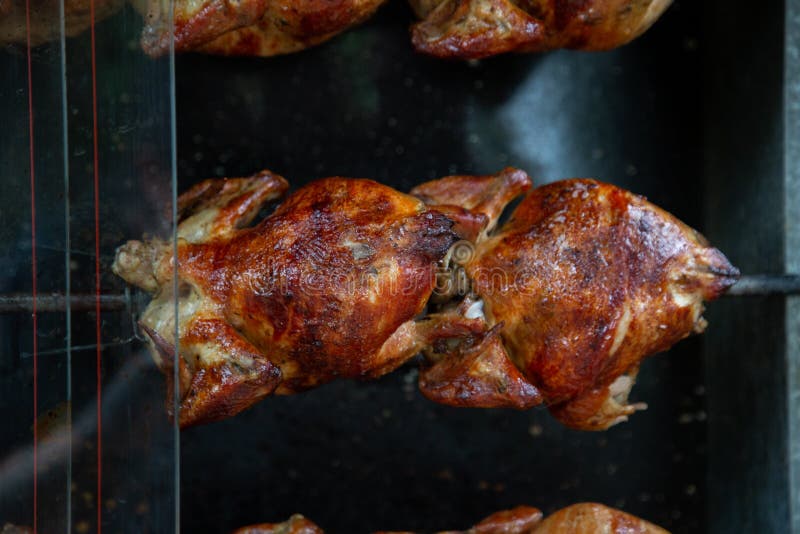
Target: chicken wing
[(464, 29)]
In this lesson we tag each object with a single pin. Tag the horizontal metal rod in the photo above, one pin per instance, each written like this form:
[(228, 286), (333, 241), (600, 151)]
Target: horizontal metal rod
[(758, 285), (54, 302), (747, 286), (78, 348)]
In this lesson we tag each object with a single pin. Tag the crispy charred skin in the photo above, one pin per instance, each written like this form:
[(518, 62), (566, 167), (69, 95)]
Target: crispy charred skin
[(464, 29), (590, 518), (589, 279), (327, 279), (469, 29), (195, 23), (250, 27), (584, 518), (289, 26), (478, 375), (485, 196), (326, 287), (582, 283), (519, 520)]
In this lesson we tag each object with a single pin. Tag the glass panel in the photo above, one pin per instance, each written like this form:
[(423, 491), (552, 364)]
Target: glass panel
[(86, 162)]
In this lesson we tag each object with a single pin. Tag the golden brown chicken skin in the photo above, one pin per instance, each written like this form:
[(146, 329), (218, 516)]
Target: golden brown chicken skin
[(583, 518), (591, 518), (583, 282), (470, 29), (297, 524), (249, 27), (464, 29), (326, 287)]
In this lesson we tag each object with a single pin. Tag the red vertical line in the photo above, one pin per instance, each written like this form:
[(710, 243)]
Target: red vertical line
[(33, 276), (97, 276)]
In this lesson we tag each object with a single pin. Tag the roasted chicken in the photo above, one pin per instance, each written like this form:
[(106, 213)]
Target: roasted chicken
[(449, 28), (326, 287), (469, 29), (581, 284), (249, 27), (584, 518), (243, 28), (557, 306)]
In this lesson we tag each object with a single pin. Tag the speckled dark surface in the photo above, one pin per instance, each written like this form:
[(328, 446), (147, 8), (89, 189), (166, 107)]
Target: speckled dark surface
[(356, 457)]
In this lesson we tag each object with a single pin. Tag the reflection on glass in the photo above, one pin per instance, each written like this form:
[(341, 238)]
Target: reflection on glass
[(86, 159)]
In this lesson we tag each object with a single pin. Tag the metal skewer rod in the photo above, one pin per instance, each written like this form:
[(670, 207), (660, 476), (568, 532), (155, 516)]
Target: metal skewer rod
[(747, 286), (757, 285), (54, 302)]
